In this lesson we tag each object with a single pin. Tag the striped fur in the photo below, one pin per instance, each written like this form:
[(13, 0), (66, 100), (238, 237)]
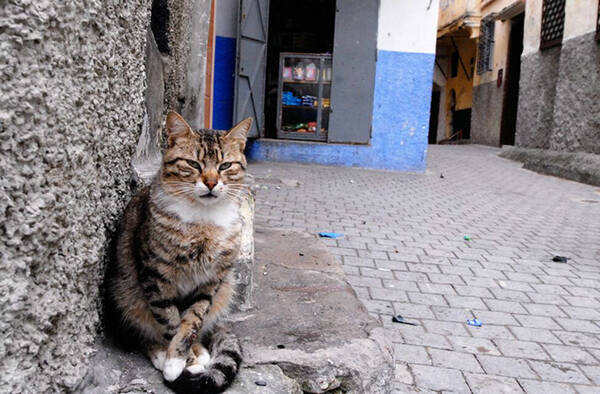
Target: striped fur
[(172, 278)]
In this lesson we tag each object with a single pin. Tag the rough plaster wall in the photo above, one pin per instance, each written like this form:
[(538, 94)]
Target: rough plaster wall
[(577, 103), (186, 65), (486, 116), (537, 89), (71, 107)]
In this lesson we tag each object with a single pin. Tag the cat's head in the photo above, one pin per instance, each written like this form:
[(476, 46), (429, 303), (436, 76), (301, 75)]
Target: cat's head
[(203, 166)]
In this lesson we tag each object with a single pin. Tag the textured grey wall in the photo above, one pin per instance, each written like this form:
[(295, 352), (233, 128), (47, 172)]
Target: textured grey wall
[(71, 107), (537, 90), (486, 115), (186, 66), (576, 125)]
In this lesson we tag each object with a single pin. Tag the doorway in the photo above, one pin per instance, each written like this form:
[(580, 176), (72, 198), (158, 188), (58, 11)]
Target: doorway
[(511, 88), (295, 26), (434, 114)]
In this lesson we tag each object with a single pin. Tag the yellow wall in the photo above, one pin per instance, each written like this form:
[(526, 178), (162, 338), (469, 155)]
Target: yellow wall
[(462, 84)]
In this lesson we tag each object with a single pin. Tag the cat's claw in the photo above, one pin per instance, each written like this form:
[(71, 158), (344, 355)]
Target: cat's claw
[(173, 368)]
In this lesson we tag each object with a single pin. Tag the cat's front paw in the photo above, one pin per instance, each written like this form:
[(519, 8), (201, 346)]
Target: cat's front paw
[(173, 368), (158, 358)]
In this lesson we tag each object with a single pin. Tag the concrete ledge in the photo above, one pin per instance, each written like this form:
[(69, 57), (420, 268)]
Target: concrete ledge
[(304, 331), (579, 167)]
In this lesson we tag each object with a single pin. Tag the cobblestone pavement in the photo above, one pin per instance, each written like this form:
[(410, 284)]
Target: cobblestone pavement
[(404, 253)]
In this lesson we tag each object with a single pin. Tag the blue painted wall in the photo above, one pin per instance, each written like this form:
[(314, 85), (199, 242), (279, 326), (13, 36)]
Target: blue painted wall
[(400, 122), (223, 85)]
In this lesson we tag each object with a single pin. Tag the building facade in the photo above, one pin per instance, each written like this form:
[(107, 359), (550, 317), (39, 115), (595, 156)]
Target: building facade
[(559, 95), (534, 81), (374, 95)]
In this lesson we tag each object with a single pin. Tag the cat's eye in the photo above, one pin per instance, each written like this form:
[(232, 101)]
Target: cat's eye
[(194, 164), (224, 166)]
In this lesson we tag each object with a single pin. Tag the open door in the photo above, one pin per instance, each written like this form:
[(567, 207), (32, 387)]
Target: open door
[(354, 57), (251, 64)]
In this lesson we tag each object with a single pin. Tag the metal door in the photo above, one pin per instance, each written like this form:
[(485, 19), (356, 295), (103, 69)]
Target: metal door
[(251, 63), (354, 56)]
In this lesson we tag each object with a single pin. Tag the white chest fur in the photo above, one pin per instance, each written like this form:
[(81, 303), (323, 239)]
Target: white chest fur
[(221, 213)]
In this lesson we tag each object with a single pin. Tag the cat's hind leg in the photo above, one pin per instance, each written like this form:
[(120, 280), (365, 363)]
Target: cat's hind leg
[(198, 360)]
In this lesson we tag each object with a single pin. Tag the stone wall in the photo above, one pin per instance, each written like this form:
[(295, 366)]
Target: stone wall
[(576, 120), (559, 97), (71, 109), (486, 115)]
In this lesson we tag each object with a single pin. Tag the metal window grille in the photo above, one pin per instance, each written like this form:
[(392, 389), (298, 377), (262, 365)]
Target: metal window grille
[(486, 46), (553, 23)]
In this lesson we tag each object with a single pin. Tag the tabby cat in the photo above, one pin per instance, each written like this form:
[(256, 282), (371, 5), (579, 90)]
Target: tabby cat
[(172, 278)]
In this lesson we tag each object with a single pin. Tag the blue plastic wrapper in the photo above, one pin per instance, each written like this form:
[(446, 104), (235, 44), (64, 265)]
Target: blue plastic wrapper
[(474, 322), (330, 235)]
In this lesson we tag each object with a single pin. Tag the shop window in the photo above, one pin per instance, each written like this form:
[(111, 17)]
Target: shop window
[(486, 46), (553, 23)]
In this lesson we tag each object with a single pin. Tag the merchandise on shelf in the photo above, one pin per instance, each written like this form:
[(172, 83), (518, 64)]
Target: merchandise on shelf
[(298, 72), (288, 98), (287, 73), (310, 72)]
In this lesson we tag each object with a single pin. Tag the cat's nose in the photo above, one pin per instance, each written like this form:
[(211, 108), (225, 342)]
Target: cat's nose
[(210, 184)]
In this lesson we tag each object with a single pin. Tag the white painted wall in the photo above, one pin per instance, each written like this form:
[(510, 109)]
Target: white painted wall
[(533, 26), (226, 19), (408, 25), (580, 17)]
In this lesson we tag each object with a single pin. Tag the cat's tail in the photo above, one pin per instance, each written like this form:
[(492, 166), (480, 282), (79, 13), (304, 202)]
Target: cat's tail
[(226, 357)]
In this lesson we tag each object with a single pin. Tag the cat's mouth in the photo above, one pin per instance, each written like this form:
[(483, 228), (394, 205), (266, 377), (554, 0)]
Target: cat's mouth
[(209, 195)]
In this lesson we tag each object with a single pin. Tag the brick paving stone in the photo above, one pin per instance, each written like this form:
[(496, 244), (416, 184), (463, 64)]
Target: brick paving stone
[(539, 387), (439, 379), (403, 233), (490, 317), (427, 299), (465, 302), (569, 354), (452, 314), (539, 335), (505, 366), (490, 331), (411, 354), (537, 321), (581, 339), (521, 349), (455, 360), (485, 384), (559, 372), (387, 294), (473, 345)]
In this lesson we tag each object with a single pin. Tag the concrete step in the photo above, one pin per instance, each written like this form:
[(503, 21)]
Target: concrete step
[(304, 331)]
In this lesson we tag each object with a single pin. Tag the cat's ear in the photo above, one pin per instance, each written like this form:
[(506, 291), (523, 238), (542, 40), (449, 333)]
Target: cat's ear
[(176, 127), (239, 133)]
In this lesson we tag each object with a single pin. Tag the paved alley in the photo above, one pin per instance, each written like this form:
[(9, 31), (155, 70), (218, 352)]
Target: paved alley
[(404, 252)]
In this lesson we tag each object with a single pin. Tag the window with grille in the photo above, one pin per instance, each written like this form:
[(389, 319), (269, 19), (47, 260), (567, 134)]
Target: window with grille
[(553, 23), (486, 46)]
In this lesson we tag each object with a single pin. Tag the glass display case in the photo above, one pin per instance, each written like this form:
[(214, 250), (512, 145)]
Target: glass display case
[(303, 96)]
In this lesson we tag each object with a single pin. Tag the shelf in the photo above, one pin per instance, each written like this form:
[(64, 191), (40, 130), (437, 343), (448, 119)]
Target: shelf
[(303, 107), (306, 82)]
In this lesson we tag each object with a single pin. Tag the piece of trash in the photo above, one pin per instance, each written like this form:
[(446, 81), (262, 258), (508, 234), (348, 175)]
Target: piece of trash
[(351, 181), (278, 187), (260, 383), (467, 238), (280, 346), (560, 259), (330, 235), (442, 176), (474, 322), (300, 254), (400, 319)]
